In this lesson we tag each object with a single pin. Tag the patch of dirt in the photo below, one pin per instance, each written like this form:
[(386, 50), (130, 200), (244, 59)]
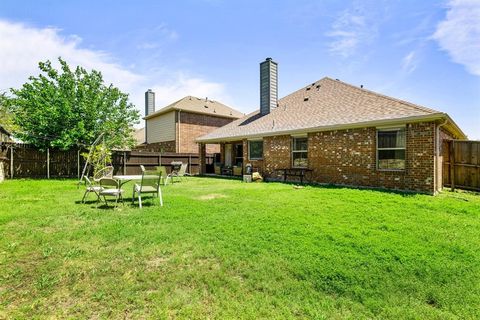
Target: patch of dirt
[(212, 196), (156, 262)]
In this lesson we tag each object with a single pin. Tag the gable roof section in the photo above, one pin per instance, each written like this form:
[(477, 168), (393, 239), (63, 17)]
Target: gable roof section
[(197, 105), (324, 105)]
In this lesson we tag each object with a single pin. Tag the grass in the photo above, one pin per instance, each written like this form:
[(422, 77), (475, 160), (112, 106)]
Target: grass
[(225, 249)]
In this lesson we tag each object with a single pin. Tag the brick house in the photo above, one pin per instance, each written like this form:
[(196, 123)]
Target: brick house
[(175, 127), (345, 135)]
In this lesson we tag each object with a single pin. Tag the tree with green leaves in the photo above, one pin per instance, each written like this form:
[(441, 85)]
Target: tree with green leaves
[(67, 108), (6, 117)]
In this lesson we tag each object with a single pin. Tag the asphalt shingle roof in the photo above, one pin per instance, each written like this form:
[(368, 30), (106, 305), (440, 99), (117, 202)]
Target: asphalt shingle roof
[(325, 103), (198, 105)]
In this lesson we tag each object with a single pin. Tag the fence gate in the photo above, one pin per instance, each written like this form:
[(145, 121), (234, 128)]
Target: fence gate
[(461, 164)]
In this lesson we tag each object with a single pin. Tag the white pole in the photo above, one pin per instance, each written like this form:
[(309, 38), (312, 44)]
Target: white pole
[(48, 163), (11, 162)]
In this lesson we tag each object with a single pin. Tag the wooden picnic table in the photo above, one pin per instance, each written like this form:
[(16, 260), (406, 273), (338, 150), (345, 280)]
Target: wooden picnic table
[(294, 172)]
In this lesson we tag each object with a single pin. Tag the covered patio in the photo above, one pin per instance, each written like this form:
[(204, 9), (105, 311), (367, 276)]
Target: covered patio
[(229, 162)]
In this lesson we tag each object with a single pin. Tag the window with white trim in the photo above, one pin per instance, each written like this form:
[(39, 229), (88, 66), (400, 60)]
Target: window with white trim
[(255, 150), (391, 149), (300, 152)]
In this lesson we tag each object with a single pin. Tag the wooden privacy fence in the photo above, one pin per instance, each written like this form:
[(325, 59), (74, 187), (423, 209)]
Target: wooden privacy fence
[(461, 164), (26, 161), (128, 162)]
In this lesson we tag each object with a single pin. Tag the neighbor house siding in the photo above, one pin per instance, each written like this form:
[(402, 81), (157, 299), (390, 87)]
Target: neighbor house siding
[(348, 157), (161, 128)]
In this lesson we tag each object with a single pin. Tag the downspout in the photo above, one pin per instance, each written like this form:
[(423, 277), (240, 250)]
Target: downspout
[(437, 153)]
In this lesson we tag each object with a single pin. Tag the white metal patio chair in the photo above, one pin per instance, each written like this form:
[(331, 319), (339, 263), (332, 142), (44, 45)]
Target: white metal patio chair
[(110, 188), (106, 172), (150, 184), (90, 187)]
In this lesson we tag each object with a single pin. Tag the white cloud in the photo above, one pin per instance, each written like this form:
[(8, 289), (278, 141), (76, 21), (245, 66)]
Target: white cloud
[(349, 31), (22, 47), (409, 62), (459, 33)]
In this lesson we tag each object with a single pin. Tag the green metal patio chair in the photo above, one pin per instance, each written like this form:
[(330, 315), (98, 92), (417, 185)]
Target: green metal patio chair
[(164, 175), (150, 184), (110, 188)]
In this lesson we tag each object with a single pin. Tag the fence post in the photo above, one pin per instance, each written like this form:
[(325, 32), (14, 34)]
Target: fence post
[(11, 162), (124, 162), (48, 163), (452, 164), (190, 163), (78, 164)]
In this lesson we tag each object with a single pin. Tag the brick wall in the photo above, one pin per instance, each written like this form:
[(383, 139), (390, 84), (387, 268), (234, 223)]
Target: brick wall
[(192, 125), (256, 164), (348, 157), (166, 146)]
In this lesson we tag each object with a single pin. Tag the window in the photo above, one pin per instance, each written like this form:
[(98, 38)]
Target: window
[(239, 154), (391, 149), (255, 150), (300, 152)]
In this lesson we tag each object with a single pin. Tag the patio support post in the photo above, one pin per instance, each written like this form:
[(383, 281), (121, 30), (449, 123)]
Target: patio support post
[(201, 153)]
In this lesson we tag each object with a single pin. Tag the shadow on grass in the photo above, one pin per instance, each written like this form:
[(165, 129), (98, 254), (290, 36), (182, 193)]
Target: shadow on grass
[(403, 193), (127, 203)]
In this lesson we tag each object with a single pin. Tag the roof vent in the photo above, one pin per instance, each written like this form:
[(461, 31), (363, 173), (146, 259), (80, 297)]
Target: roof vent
[(206, 98)]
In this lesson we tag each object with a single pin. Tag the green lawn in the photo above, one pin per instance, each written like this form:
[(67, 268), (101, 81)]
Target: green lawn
[(224, 249)]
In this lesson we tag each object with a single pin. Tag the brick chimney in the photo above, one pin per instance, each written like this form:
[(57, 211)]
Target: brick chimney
[(268, 86)]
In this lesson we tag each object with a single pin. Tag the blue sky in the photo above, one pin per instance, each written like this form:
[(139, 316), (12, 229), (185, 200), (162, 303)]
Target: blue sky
[(426, 52)]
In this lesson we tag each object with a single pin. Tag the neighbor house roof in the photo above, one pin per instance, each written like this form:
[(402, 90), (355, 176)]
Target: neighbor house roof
[(198, 105), (327, 105), (139, 135)]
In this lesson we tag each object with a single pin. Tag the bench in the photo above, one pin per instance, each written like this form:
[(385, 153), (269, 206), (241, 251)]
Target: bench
[(294, 172)]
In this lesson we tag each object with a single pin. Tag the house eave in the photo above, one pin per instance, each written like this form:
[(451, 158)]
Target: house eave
[(375, 123)]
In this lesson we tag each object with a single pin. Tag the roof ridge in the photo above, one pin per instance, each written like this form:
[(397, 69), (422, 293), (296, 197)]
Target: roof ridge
[(410, 104)]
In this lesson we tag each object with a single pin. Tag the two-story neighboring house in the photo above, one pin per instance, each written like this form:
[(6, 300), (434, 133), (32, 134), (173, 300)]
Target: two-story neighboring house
[(175, 128)]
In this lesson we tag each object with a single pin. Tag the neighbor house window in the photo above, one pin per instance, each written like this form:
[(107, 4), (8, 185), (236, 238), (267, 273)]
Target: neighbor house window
[(391, 149), (255, 150), (300, 152)]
